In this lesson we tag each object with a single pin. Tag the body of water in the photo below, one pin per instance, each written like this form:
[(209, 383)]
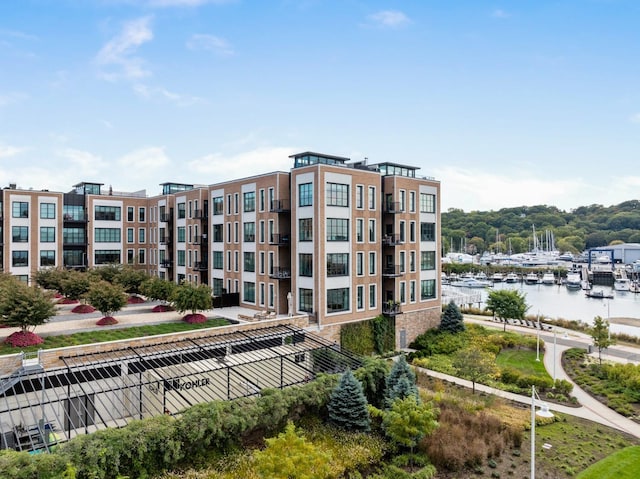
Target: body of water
[(553, 301)]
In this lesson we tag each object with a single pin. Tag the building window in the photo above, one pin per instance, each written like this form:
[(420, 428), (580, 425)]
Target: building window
[(427, 203), (236, 262), (142, 215), (306, 229), (337, 300), (427, 289), (403, 235), (229, 261), (73, 236), (261, 231), (73, 213), (107, 213), (337, 229), (337, 194), (236, 236), (249, 292), (250, 232), (427, 231), (412, 261), (306, 300), (360, 263), (107, 235), (359, 230), (261, 259), (236, 202), (412, 291), (218, 260), (182, 212), (142, 259), (130, 235), (20, 234), (412, 201), (19, 209), (182, 257), (249, 262), (107, 256), (305, 194), (217, 234), (360, 297), (261, 205), (372, 262), (372, 296), (47, 234), (372, 197), (338, 264), (218, 205), (427, 260), (130, 256), (272, 295), (47, 258), (217, 286), (305, 266), (182, 234), (412, 231), (359, 197), (19, 258), (47, 211), (129, 213), (372, 231), (141, 235), (190, 209), (403, 297), (402, 261), (249, 201)]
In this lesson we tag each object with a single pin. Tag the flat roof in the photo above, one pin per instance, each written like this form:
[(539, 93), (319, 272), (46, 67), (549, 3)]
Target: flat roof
[(322, 155)]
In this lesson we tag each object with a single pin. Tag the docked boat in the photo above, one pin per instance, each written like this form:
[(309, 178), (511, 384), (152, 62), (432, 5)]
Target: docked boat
[(481, 276), (531, 278), (574, 281), (471, 283), (622, 284), (548, 278), (585, 284), (634, 287), (512, 278), (497, 277), (599, 294)]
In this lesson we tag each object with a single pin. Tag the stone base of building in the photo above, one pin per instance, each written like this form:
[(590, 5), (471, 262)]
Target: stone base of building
[(410, 325)]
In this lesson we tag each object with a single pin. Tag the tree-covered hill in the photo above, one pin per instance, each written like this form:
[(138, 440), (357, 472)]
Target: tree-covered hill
[(512, 228)]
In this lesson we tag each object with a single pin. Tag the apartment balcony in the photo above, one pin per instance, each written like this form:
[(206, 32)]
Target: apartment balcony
[(75, 218), (201, 266), (199, 239), (279, 239), (166, 263), (391, 308), (73, 242), (280, 206), (164, 240), (166, 217), (392, 271), (394, 207), (19, 239), (280, 273), (392, 240), (200, 214)]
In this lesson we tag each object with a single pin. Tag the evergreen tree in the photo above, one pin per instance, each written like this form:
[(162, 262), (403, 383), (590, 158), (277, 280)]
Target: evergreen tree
[(399, 370), (348, 405), (452, 319), (403, 389), (373, 376)]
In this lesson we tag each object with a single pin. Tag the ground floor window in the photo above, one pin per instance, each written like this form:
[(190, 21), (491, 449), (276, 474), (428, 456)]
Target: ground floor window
[(427, 289), (249, 292), (306, 300), (337, 300), (107, 256), (47, 258)]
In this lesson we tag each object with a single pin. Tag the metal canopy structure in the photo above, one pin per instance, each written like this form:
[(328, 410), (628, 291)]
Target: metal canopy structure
[(40, 408)]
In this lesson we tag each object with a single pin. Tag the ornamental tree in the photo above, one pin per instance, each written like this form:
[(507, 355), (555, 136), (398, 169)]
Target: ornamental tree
[(158, 289), (601, 335), (452, 320), (107, 298), (131, 279), (348, 406), (407, 421), (75, 285), (507, 304), (188, 297), (474, 364)]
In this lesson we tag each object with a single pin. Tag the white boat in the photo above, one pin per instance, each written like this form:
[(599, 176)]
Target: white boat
[(574, 281), (585, 285), (548, 278), (531, 278), (512, 278), (471, 283), (481, 276), (497, 277), (622, 284)]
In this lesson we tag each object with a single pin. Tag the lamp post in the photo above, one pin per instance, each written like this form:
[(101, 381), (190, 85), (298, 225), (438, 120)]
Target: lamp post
[(554, 356), (538, 338), (543, 412)]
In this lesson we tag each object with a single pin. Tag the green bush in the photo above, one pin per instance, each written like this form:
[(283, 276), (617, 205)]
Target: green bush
[(22, 465), (510, 375)]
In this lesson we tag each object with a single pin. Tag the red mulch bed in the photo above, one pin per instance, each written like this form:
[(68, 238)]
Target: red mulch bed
[(67, 301), (57, 296), (195, 318), (135, 300), (107, 321), (22, 340), (83, 308), (162, 308)]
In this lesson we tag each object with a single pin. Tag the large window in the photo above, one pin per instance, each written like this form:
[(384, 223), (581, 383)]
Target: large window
[(182, 234), (427, 203), (249, 201), (20, 209), (337, 194), (107, 235), (427, 289), (427, 260), (218, 284), (107, 213), (306, 300), (218, 205), (218, 260), (73, 213), (47, 211), (73, 236), (249, 232), (427, 231), (182, 212), (305, 264), (107, 256), (337, 300), (306, 229), (337, 264), (305, 194), (47, 258), (182, 257), (249, 262), (337, 229), (249, 292), (47, 234), (218, 234), (20, 258), (20, 234)]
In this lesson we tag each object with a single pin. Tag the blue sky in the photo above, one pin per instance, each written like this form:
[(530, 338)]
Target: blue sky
[(507, 104)]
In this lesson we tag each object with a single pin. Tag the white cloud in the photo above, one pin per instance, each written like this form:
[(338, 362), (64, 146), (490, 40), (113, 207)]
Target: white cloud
[(389, 19), (7, 151), (143, 160), (211, 43), (147, 92), (82, 162), (117, 57), (221, 167), (498, 13)]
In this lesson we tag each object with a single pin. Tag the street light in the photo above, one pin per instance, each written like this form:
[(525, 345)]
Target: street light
[(555, 329), (543, 412)]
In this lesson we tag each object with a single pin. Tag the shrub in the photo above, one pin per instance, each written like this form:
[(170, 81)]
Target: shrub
[(22, 465)]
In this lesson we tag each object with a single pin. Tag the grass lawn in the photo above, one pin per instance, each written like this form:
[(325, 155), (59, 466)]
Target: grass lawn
[(624, 464), (524, 360), (88, 337)]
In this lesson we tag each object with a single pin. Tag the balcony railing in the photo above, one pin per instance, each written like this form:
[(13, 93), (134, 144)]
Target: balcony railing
[(200, 214), (20, 239), (280, 206), (394, 207), (280, 273), (392, 240), (166, 263), (165, 240), (201, 266), (391, 308), (166, 217), (392, 271), (279, 239)]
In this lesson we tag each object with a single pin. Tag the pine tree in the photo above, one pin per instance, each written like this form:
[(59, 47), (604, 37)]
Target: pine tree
[(400, 369), (452, 319), (348, 405), (403, 389)]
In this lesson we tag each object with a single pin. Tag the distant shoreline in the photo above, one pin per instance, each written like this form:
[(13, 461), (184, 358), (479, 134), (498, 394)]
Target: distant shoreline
[(625, 321)]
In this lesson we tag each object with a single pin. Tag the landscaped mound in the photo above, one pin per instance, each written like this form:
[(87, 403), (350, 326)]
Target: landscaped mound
[(22, 339), (162, 308), (195, 318), (107, 321), (135, 299), (67, 301), (83, 308)]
